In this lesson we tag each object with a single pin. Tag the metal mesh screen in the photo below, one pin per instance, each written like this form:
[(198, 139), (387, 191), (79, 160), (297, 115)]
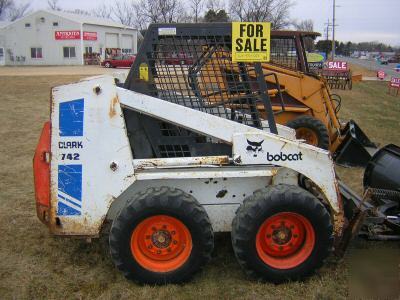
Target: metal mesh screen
[(198, 72), (284, 53)]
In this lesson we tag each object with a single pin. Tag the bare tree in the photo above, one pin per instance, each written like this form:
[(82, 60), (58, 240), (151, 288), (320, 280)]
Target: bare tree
[(15, 12), (215, 5), (103, 11), (304, 25), (274, 11), (158, 11), (78, 11), (53, 5), (124, 12), (4, 6), (196, 7)]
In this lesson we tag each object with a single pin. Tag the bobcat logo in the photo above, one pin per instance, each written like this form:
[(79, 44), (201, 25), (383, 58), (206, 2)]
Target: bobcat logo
[(255, 147)]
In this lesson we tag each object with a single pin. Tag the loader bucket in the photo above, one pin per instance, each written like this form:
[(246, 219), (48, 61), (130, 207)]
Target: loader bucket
[(356, 149)]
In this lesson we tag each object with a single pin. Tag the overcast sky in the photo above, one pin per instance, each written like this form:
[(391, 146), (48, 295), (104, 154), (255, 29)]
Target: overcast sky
[(358, 20)]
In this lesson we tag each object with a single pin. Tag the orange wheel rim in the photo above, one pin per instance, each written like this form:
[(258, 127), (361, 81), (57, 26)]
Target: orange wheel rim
[(161, 243), (308, 135), (285, 240)]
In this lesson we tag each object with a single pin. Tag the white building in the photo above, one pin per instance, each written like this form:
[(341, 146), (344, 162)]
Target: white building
[(59, 38)]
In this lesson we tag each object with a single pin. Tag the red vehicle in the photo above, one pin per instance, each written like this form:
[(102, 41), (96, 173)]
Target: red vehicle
[(179, 59), (119, 61)]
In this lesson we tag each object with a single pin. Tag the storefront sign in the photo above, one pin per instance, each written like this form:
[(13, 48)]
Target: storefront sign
[(251, 41), (89, 36), (75, 35), (68, 35)]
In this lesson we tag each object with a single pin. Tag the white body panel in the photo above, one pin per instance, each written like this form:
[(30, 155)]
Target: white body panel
[(100, 140), (109, 171)]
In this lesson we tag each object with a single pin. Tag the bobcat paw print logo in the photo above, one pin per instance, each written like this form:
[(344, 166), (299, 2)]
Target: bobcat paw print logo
[(255, 147)]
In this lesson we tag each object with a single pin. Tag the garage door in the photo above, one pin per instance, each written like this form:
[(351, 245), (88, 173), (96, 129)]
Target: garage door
[(112, 40), (127, 42)]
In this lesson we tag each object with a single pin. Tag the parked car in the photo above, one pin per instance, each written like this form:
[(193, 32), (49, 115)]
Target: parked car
[(384, 61), (119, 61), (179, 59)]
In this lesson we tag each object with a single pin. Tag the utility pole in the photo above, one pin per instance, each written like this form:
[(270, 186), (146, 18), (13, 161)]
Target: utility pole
[(327, 29), (333, 30)]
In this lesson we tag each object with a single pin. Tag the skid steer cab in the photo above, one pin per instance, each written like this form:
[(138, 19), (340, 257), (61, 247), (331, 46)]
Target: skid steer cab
[(168, 170)]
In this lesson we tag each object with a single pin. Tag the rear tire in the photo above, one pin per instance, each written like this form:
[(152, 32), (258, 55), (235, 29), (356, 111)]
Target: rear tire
[(107, 65), (312, 130), (281, 233), (162, 235)]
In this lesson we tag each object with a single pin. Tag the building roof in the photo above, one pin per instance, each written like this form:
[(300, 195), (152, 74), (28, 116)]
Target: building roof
[(84, 19), (78, 18), (4, 24)]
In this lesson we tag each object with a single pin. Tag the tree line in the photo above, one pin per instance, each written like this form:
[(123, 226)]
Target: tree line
[(140, 13), (348, 48)]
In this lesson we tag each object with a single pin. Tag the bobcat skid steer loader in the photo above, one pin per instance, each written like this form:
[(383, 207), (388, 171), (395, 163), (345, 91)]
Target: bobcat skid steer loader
[(168, 170)]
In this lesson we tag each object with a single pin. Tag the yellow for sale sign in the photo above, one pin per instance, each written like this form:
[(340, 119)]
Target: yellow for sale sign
[(251, 41)]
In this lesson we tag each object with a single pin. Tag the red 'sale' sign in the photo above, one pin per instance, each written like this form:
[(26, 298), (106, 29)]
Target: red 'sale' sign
[(75, 35), (337, 65), (395, 82)]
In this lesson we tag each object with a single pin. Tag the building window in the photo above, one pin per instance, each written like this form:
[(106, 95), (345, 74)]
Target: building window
[(89, 50), (1, 53), (55, 24), (27, 25), (36, 53), (126, 51), (42, 19), (69, 52)]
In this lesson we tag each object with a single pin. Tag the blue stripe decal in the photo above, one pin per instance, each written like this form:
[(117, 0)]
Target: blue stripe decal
[(69, 183), (65, 210), (69, 200), (71, 118)]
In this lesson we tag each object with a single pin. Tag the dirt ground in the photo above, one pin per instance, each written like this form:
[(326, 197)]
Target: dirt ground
[(35, 265)]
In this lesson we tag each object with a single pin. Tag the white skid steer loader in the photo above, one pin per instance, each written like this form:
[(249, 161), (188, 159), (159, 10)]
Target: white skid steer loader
[(169, 170)]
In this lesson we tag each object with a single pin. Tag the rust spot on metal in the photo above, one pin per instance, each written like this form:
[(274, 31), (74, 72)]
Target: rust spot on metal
[(221, 194), (112, 112)]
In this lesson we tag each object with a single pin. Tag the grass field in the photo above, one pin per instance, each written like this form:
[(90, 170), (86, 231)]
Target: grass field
[(35, 265)]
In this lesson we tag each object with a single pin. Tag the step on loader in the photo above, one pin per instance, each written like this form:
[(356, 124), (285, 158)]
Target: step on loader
[(168, 169)]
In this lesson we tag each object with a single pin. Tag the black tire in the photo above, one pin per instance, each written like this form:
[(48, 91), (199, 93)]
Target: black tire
[(315, 126), (269, 202), (108, 65), (161, 201)]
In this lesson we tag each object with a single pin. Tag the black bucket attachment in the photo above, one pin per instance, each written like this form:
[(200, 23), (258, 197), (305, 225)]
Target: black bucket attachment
[(356, 149), (383, 170)]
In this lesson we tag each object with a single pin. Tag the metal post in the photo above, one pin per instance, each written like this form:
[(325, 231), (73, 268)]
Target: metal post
[(333, 30), (265, 98)]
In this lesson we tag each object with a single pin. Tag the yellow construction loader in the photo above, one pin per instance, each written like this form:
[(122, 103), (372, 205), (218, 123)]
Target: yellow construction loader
[(300, 99)]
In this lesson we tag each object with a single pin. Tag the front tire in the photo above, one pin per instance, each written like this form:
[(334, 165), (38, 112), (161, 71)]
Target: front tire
[(281, 233), (162, 235), (107, 65), (312, 130)]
